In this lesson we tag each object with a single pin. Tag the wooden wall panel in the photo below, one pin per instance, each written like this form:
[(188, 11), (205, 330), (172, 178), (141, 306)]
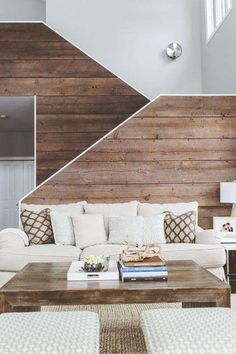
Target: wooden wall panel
[(78, 100), (176, 149)]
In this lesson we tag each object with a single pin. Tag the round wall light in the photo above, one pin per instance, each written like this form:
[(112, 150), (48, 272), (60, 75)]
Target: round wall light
[(174, 50)]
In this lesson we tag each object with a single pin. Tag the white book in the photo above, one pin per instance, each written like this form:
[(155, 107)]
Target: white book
[(76, 272)]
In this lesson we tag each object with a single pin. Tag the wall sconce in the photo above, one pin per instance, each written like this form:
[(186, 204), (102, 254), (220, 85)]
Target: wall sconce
[(174, 50)]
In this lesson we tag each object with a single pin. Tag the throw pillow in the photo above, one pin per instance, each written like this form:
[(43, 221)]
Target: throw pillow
[(89, 230), (63, 229), (37, 226), (153, 229), (181, 228), (126, 230)]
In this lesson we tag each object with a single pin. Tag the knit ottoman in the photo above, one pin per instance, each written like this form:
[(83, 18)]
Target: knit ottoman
[(49, 332), (190, 331)]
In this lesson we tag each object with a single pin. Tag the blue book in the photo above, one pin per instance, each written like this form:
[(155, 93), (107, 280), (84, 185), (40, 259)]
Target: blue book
[(143, 268)]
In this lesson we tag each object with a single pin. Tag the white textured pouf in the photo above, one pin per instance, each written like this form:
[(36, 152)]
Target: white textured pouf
[(49, 332), (190, 331)]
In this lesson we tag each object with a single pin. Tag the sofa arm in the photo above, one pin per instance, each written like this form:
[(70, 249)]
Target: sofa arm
[(13, 238), (208, 237)]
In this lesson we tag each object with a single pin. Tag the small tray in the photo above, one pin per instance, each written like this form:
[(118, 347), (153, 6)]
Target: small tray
[(76, 272)]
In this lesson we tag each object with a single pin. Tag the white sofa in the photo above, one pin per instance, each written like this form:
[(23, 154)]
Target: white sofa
[(206, 251)]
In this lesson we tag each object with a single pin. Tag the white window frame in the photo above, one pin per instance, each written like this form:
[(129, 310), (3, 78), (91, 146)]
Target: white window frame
[(216, 12)]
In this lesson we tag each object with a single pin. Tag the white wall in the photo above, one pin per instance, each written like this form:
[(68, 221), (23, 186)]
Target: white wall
[(218, 56), (22, 10), (130, 38)]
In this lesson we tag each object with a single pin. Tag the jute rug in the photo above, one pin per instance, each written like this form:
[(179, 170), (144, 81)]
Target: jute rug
[(120, 325)]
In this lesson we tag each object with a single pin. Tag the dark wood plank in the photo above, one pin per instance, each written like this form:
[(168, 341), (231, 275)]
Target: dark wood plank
[(90, 104), (39, 68), (39, 50), (24, 32), (65, 87)]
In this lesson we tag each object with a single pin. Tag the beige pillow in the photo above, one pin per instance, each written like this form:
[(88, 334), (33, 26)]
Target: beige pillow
[(180, 228), (89, 230), (37, 226)]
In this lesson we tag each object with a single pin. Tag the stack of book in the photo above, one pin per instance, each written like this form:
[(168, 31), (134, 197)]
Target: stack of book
[(150, 269)]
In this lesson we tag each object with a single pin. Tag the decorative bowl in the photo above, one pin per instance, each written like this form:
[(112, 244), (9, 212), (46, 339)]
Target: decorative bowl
[(96, 264)]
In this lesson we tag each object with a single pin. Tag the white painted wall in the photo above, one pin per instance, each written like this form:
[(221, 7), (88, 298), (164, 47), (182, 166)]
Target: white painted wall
[(22, 10), (130, 38), (218, 56)]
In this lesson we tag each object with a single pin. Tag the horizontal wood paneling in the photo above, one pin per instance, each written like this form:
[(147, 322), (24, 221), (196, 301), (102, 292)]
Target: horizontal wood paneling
[(65, 87), (34, 60), (194, 151), (88, 104), (36, 68)]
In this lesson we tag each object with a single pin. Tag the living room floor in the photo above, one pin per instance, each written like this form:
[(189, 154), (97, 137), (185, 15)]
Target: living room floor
[(120, 324)]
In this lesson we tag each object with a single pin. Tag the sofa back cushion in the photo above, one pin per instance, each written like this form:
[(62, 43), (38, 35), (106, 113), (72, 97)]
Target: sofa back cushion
[(113, 209), (70, 209), (148, 209)]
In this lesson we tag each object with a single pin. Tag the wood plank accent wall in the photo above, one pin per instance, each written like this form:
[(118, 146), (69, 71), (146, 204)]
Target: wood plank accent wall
[(176, 149), (78, 100)]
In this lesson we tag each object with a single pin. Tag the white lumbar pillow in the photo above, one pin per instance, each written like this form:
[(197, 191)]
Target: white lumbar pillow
[(89, 230), (126, 230), (63, 229), (153, 229)]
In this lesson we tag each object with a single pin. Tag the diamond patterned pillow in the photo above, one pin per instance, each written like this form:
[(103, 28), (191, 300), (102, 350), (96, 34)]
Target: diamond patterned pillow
[(37, 226), (181, 228)]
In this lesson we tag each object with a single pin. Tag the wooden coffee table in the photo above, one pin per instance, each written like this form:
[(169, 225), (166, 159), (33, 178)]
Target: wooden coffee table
[(43, 284)]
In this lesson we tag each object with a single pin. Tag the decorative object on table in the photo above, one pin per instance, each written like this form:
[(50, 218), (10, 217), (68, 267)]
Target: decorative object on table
[(77, 272), (96, 264), (228, 194), (137, 254), (225, 225), (142, 264)]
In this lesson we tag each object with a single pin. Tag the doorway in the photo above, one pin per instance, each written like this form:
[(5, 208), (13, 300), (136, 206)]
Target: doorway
[(17, 156)]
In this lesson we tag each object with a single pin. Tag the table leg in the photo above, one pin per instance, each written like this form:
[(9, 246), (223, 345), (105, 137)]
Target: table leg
[(6, 307)]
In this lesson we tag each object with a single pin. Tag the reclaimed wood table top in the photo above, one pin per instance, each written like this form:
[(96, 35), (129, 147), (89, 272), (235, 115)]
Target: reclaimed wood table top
[(40, 284)]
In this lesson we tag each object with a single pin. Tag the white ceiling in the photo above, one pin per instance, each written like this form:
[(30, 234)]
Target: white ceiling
[(20, 113)]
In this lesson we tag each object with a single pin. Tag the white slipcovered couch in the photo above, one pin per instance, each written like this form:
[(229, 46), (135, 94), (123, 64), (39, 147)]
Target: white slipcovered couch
[(15, 252)]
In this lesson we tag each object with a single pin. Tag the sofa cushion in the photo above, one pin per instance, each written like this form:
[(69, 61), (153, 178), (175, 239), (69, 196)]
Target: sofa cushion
[(89, 230), (208, 256), (37, 226), (114, 209), (153, 229), (63, 230), (180, 228), (149, 209), (67, 209), (15, 259), (126, 230)]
